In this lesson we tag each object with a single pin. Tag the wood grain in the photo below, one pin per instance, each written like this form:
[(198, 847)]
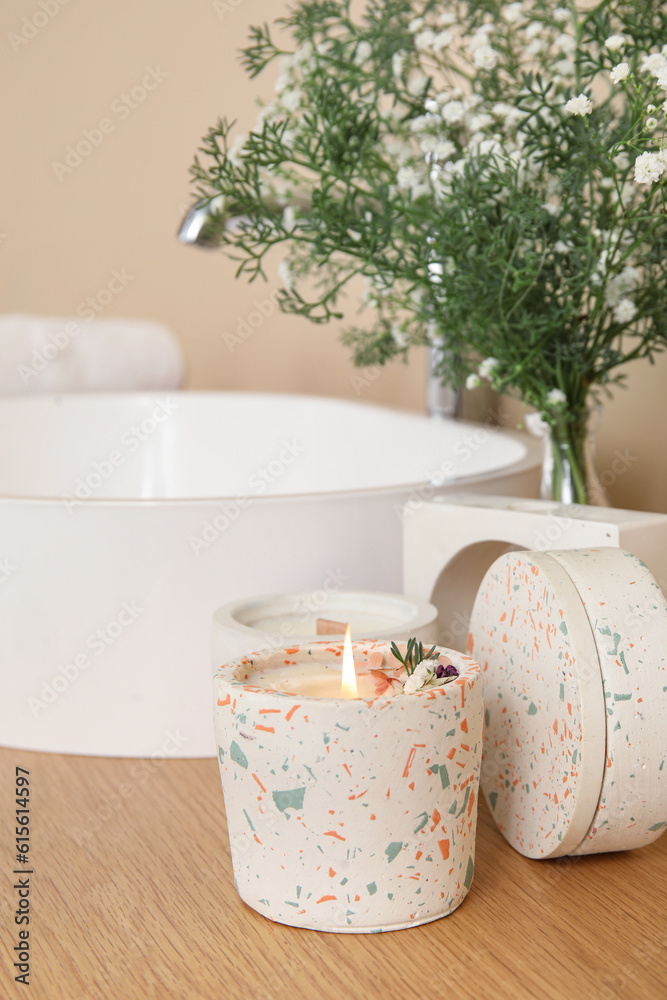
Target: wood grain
[(133, 897)]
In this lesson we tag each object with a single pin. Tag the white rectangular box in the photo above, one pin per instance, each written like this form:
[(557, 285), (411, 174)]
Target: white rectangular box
[(450, 542)]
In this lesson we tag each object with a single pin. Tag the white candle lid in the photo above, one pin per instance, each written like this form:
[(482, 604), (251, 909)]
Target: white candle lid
[(572, 648)]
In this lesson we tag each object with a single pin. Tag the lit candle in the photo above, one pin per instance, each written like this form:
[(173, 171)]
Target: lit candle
[(349, 812)]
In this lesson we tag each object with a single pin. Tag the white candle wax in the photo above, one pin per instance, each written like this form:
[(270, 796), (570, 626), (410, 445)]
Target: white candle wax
[(317, 679)]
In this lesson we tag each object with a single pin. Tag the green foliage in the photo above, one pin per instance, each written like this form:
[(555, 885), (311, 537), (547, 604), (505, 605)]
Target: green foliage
[(438, 159)]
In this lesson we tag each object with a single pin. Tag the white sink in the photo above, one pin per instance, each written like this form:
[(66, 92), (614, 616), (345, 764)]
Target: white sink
[(127, 519)]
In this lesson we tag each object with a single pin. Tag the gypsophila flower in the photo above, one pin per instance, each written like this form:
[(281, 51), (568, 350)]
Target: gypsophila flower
[(285, 275), (615, 42), (654, 64), (487, 367), (580, 105), (431, 150), (620, 72), (648, 168), (363, 53), (425, 39), (485, 57), (473, 381), (625, 311), (398, 63), (556, 398), (420, 676)]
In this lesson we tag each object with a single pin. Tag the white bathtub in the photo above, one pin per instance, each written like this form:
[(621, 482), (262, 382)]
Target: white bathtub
[(127, 519)]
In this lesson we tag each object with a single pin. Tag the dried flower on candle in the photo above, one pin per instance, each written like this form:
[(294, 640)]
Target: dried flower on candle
[(414, 655), (424, 669)]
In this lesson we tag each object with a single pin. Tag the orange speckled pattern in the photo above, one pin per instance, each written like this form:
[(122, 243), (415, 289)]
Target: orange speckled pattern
[(572, 649), (350, 815)]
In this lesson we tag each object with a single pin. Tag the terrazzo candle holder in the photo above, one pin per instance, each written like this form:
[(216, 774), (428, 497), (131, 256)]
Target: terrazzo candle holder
[(573, 649), (348, 814)]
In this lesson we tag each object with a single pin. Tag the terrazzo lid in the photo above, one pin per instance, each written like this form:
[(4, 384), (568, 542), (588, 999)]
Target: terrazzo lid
[(544, 738)]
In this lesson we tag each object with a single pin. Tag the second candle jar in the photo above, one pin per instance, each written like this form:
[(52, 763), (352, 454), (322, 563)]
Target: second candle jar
[(349, 814)]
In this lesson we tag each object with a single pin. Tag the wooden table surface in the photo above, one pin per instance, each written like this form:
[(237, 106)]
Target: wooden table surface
[(132, 896)]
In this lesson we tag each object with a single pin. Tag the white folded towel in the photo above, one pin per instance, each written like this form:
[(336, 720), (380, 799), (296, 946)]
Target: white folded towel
[(69, 354)]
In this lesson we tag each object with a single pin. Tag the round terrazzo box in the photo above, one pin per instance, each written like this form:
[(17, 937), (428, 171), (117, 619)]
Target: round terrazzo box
[(349, 814), (573, 651)]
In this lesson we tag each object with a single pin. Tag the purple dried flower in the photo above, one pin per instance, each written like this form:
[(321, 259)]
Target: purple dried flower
[(448, 671)]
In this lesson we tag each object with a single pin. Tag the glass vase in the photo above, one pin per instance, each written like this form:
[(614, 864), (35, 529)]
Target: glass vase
[(569, 474)]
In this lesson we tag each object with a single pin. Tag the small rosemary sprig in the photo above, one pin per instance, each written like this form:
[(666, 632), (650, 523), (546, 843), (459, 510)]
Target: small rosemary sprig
[(414, 654)]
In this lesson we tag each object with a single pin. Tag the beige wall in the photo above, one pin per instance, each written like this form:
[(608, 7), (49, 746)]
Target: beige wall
[(120, 208)]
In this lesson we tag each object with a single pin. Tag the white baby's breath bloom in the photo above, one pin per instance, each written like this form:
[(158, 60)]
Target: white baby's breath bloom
[(285, 275), (398, 63), (580, 105), (566, 43), (363, 53), (561, 15), (534, 29), (235, 151), (648, 168), (446, 18), (556, 398), (442, 40), (650, 109), (291, 99), (354, 235), (416, 24), (654, 63), (561, 247), (620, 72), (399, 336), (407, 178), (435, 272), (487, 367), (417, 84), (513, 12), (625, 311), (444, 149), (621, 285), (473, 381), (651, 123), (662, 79), (452, 112), (425, 39), (485, 57), (289, 218), (420, 676), (615, 42)]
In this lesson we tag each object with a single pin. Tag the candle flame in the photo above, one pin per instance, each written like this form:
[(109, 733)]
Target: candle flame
[(348, 687)]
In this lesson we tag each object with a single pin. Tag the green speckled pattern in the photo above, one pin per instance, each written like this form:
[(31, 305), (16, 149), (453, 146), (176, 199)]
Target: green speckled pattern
[(350, 815)]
